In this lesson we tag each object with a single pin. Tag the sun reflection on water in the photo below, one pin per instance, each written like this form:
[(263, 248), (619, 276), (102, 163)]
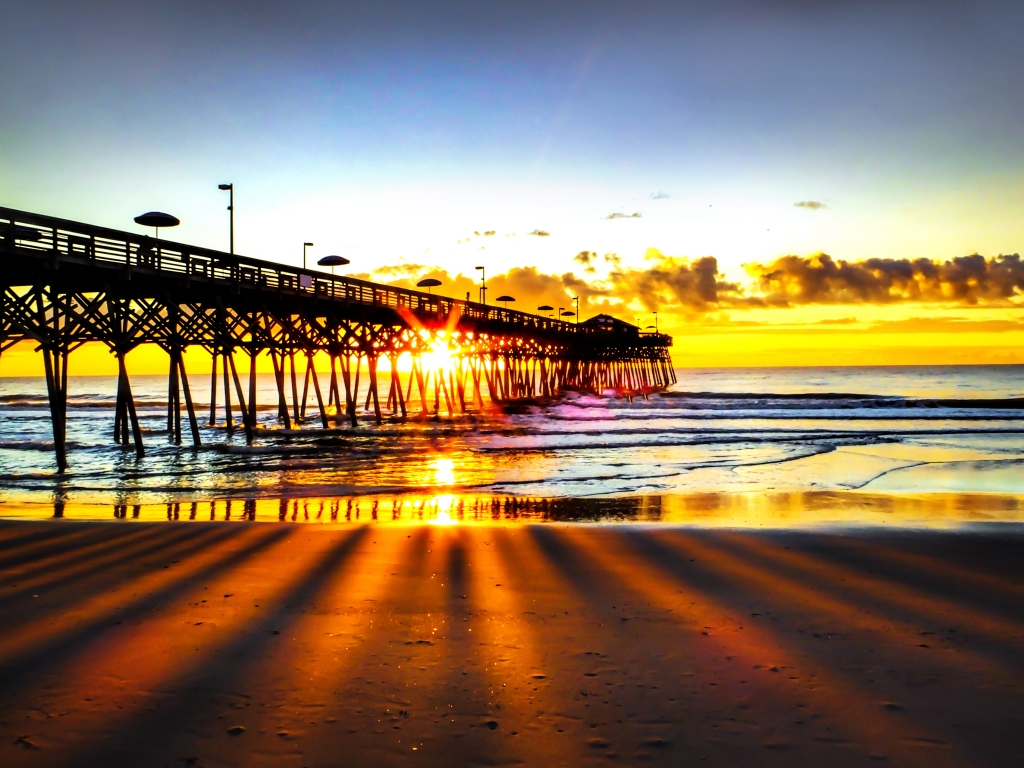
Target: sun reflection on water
[(444, 471)]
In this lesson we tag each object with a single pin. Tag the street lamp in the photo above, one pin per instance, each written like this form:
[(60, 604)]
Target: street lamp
[(230, 189), (304, 247), (576, 300), (655, 322), (483, 285)]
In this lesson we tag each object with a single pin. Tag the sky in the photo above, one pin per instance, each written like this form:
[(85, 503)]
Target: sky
[(605, 150)]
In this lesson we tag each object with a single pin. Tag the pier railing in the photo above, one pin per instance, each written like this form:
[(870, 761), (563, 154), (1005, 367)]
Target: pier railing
[(58, 240)]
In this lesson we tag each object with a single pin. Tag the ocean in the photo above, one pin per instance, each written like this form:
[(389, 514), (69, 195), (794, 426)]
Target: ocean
[(755, 447)]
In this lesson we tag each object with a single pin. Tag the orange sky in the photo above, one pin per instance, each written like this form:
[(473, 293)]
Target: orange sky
[(719, 343)]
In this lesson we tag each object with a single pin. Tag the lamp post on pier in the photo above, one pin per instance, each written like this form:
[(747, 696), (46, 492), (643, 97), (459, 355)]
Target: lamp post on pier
[(483, 285), (576, 301), (304, 247), (230, 189)]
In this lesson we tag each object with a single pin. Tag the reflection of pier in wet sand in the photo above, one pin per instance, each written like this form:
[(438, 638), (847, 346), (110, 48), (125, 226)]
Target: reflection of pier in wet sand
[(221, 644), (66, 284)]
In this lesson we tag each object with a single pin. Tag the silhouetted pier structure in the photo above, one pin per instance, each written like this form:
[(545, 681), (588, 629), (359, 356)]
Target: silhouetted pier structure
[(66, 283)]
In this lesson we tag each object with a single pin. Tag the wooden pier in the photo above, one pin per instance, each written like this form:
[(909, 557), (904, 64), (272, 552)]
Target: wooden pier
[(66, 283)]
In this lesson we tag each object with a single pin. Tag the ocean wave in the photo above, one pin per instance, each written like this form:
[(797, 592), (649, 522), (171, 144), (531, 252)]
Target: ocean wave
[(834, 399), (28, 445), (768, 415)]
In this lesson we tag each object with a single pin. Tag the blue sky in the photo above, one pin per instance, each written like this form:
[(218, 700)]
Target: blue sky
[(391, 131)]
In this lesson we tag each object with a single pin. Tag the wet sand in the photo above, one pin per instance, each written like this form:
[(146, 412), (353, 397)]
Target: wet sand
[(273, 644)]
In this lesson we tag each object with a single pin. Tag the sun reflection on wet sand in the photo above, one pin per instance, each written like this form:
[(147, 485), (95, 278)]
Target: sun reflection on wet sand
[(708, 510)]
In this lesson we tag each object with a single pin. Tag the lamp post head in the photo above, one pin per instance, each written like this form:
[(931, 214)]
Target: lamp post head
[(306, 245), (333, 261), (157, 219), (428, 283), (225, 187)]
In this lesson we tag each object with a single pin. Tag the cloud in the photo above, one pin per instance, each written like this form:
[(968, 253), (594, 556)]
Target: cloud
[(837, 321), (611, 216), (532, 288), (820, 279), (540, 233), (453, 286), (660, 195), (489, 233), (400, 269), (813, 205), (948, 325), (694, 285)]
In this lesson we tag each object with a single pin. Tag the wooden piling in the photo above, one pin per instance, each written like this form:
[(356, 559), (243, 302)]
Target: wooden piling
[(252, 388), (295, 388), (229, 419), (316, 388), (355, 391), (371, 362), (398, 386), (193, 423), (246, 424), (213, 388), (129, 404), (332, 385), (305, 386), (173, 401), (282, 402), (55, 363)]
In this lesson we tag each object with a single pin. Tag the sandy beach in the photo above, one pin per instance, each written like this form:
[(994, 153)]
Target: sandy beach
[(273, 644)]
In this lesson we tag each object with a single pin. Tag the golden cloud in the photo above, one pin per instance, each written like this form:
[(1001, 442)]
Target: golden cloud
[(820, 279), (694, 285)]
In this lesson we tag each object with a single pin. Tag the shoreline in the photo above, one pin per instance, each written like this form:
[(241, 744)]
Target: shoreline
[(780, 510)]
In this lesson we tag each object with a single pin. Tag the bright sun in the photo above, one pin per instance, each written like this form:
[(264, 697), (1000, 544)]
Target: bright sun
[(440, 357)]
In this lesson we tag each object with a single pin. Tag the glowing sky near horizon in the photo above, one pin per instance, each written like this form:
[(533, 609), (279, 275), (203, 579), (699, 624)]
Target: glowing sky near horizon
[(391, 131)]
